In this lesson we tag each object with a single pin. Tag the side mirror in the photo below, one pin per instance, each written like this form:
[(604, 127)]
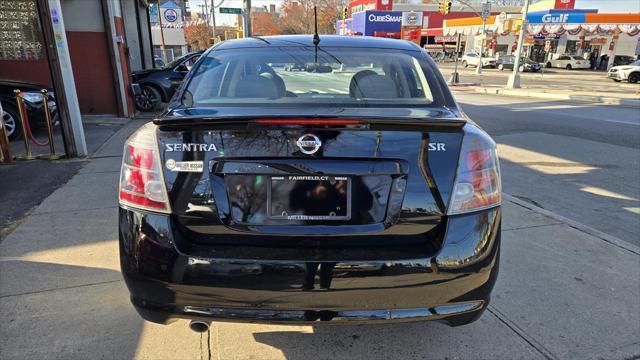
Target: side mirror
[(182, 68)]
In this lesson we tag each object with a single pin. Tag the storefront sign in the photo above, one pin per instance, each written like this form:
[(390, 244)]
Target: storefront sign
[(444, 39), (412, 19), (368, 22), (556, 18), (367, 5), (170, 15), (565, 4), (387, 18)]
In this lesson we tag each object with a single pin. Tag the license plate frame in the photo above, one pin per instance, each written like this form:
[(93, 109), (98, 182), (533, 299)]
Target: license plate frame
[(298, 179)]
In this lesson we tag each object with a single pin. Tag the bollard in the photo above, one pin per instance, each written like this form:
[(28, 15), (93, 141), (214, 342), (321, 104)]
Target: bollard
[(5, 148), (25, 136), (47, 118)]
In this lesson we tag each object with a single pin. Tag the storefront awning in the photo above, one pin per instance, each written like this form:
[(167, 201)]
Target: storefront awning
[(467, 26)]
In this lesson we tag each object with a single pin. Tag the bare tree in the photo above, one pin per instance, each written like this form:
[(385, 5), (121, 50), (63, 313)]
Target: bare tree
[(297, 16)]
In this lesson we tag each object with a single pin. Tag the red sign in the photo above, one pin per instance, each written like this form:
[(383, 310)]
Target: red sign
[(443, 38), (565, 4), (385, 34), (364, 5)]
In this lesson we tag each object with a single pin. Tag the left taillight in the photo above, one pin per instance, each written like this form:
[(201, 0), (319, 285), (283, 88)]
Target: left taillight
[(477, 185), (141, 180)]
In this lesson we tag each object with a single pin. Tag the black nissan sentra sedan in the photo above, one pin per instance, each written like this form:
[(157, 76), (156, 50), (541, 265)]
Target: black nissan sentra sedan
[(355, 190)]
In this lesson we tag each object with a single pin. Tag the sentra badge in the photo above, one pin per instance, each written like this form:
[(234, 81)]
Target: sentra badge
[(190, 147), (309, 144)]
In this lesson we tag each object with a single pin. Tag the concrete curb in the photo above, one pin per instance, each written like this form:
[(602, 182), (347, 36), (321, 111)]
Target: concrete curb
[(576, 225), (606, 100)]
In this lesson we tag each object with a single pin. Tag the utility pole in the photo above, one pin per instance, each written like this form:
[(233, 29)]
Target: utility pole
[(486, 12), (162, 47), (455, 77), (213, 20), (514, 78), (57, 49), (246, 18)]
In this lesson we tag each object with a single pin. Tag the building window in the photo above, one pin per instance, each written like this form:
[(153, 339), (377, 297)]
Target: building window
[(19, 30), (572, 47)]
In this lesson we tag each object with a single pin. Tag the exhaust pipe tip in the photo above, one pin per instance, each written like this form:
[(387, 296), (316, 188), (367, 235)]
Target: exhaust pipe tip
[(199, 326)]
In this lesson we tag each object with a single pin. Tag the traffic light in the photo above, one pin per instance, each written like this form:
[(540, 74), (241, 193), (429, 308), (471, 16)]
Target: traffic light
[(345, 13), (444, 6)]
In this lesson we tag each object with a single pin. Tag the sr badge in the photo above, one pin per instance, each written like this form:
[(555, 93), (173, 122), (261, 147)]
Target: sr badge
[(436, 147)]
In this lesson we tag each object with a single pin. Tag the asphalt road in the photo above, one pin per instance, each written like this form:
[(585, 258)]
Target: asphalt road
[(578, 160)]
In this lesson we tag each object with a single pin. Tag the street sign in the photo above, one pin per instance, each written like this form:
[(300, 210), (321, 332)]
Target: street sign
[(225, 10), (486, 11)]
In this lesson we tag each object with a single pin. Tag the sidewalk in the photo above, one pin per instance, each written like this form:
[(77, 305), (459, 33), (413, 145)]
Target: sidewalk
[(563, 292), (24, 184), (595, 97)]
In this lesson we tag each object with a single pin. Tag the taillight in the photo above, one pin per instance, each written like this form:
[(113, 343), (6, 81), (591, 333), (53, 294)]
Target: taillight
[(141, 182), (477, 185)]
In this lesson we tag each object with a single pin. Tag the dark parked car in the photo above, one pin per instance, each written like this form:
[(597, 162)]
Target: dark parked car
[(507, 62), (33, 101), (619, 60), (159, 85), (263, 196)]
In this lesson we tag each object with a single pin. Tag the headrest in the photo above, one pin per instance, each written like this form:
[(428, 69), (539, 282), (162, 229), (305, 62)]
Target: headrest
[(255, 86), (368, 84)]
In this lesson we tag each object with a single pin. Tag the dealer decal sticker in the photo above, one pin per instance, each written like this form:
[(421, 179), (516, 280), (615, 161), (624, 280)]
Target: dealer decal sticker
[(184, 166)]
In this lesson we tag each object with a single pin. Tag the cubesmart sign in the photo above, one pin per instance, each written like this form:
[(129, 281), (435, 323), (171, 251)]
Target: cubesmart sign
[(380, 21), (556, 18)]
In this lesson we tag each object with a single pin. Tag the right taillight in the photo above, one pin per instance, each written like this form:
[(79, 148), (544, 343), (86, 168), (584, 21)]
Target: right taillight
[(141, 182), (477, 185)]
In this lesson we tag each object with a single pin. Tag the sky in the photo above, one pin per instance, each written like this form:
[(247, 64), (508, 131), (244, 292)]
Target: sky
[(610, 6), (605, 6), (224, 19)]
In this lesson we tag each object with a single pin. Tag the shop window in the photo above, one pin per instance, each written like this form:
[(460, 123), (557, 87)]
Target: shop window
[(572, 47), (19, 30)]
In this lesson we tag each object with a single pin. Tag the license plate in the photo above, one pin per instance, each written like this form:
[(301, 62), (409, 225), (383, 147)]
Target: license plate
[(309, 197)]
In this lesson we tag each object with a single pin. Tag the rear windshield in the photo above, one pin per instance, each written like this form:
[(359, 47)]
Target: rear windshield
[(290, 76)]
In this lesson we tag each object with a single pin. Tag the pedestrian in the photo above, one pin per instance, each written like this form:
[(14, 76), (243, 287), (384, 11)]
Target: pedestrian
[(604, 61), (593, 59)]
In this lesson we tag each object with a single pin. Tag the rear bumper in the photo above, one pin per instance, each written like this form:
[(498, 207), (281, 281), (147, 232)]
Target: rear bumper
[(169, 279)]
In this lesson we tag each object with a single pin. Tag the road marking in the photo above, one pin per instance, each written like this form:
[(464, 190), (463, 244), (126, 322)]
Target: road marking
[(318, 91)]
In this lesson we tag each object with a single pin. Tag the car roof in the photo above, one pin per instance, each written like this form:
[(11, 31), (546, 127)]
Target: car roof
[(325, 40)]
